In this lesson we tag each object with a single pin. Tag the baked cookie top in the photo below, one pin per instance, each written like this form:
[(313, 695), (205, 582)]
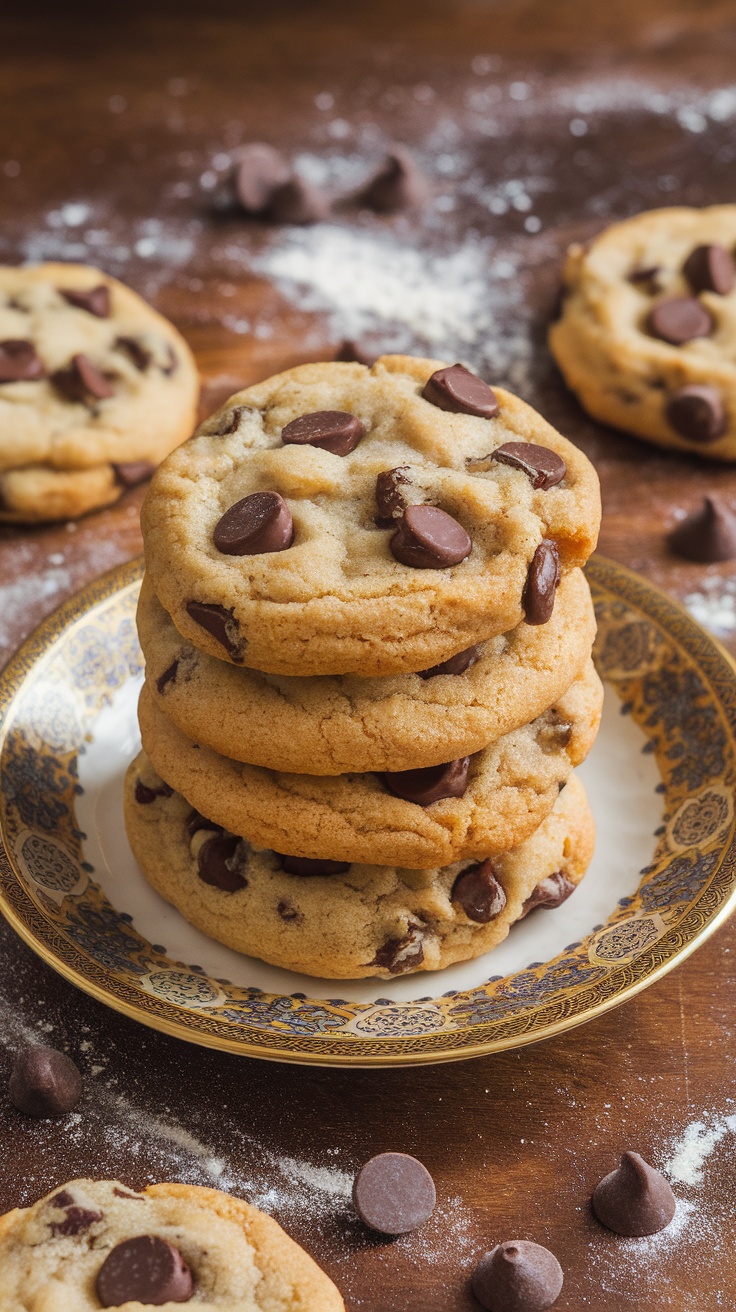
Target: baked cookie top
[(476, 806), (89, 373), (96, 1243), (647, 333), (360, 920), (334, 724), (340, 519)]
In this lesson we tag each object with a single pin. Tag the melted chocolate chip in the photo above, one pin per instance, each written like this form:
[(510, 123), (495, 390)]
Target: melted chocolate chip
[(479, 892), (230, 421), (454, 664), (399, 955), (708, 534), (697, 413), (456, 389), (258, 524), (635, 1199), (133, 472), (517, 1276), (145, 795), (543, 468), (430, 784), (428, 538), (550, 892), (135, 349), (679, 319), (19, 361), (353, 351), (95, 301), (538, 598), (216, 861), (710, 269), (123, 1193), (648, 274), (196, 821), (221, 623), (331, 430), (77, 1220), (146, 1269), (390, 500), (398, 185), (82, 381), (394, 1194), (287, 911), (554, 732), (305, 866), (168, 676), (44, 1082), (259, 171), (297, 201)]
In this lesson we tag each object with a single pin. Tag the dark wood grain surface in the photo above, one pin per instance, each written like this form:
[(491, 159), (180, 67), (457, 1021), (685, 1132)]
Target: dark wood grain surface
[(115, 131)]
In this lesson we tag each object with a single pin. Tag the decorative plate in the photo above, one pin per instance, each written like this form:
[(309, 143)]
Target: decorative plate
[(660, 780)]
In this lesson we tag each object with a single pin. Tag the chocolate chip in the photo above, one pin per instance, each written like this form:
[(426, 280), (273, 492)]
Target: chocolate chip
[(19, 361), (517, 1276), (544, 468), (76, 1222), (479, 892), (133, 472), (146, 1269), (330, 430), (259, 171), (196, 821), (145, 795), (230, 421), (399, 955), (123, 1193), (297, 201), (430, 784), (708, 534), (168, 676), (679, 319), (305, 866), (428, 538), (697, 412), (648, 274), (398, 185), (353, 351), (389, 497), (95, 301), (394, 1194), (550, 892), (139, 354), (554, 732), (710, 269), (82, 381), (216, 861), (538, 597), (172, 361), (221, 623), (635, 1199), (258, 524), (44, 1082), (454, 664), (457, 390), (287, 911)]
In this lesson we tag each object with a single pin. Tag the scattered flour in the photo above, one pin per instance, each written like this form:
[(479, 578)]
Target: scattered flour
[(714, 605), (688, 1157)]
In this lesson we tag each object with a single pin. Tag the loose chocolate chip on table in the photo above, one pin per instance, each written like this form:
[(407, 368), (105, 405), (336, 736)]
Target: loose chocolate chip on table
[(305, 866), (398, 955), (82, 381), (221, 623), (134, 472), (331, 430), (479, 892), (19, 361), (517, 1276), (258, 172), (544, 468), (550, 892), (230, 421), (431, 783), (679, 319), (168, 676), (538, 598), (458, 390), (44, 1082), (353, 351), (297, 201), (634, 1199), (146, 1269), (398, 185), (145, 795), (217, 861), (394, 1193), (139, 354), (95, 301), (454, 664), (428, 538), (258, 524), (697, 412), (710, 269), (708, 534), (389, 496)]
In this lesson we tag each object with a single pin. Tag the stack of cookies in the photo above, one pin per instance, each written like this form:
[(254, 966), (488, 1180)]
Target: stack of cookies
[(368, 648)]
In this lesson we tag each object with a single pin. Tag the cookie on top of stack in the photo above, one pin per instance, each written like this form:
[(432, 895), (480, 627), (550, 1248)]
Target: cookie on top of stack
[(369, 679)]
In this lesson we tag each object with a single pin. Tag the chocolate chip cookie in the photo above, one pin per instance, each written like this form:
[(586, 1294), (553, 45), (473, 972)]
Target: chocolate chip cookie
[(648, 324), (337, 519), (93, 1244), (95, 389), (342, 921), (334, 724)]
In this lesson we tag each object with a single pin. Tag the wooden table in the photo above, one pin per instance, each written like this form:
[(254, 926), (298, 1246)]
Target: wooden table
[(115, 129)]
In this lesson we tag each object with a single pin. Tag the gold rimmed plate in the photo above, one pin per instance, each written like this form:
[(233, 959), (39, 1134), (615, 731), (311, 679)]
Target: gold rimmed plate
[(660, 780)]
